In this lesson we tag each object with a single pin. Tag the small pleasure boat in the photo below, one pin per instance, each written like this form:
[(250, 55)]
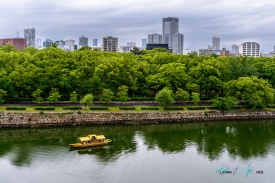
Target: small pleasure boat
[(90, 141)]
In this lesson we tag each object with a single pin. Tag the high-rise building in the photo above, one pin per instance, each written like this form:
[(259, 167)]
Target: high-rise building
[(110, 44), (144, 42), (48, 42), (83, 41), (235, 49), (29, 35), (251, 49), (177, 43), (155, 38), (70, 42), (216, 43), (170, 26), (94, 42), (38, 43), (18, 43), (60, 43)]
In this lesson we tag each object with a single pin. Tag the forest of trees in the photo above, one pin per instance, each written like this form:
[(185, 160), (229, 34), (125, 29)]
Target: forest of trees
[(139, 74)]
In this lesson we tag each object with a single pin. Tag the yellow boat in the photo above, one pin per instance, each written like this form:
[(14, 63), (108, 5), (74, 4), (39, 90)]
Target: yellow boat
[(90, 141)]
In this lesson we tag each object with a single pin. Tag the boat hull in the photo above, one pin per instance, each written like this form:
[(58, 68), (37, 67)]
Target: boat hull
[(93, 144)]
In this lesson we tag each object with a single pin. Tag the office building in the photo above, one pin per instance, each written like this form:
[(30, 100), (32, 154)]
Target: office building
[(235, 49), (177, 43), (202, 52), (70, 43), (95, 42), (224, 52), (18, 43), (155, 38), (144, 42), (60, 43), (47, 43), (251, 49), (216, 43), (29, 35), (152, 46), (170, 26), (38, 43), (110, 44), (83, 41)]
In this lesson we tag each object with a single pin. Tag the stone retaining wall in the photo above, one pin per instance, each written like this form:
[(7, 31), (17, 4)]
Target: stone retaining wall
[(10, 120)]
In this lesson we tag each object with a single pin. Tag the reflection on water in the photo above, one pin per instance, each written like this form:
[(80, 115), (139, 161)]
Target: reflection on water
[(238, 141)]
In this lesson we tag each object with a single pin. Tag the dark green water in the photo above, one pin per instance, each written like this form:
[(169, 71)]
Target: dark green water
[(142, 154)]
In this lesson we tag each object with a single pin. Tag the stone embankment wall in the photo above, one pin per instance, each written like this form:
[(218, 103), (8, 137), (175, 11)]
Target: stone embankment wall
[(9, 120)]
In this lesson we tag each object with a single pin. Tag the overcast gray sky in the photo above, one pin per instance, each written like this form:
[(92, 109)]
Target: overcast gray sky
[(234, 21)]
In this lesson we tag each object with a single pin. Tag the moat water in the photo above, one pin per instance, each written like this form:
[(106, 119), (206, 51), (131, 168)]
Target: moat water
[(213, 152)]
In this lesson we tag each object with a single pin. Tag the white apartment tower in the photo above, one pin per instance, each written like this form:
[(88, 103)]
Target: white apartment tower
[(235, 49), (170, 26), (177, 43), (29, 35), (216, 43), (251, 49), (155, 38), (110, 44)]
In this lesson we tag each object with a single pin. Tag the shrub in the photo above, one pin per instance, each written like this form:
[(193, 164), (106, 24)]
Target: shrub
[(173, 108), (16, 108), (127, 108), (72, 108), (237, 107), (45, 108), (271, 106), (99, 108), (195, 107), (149, 108)]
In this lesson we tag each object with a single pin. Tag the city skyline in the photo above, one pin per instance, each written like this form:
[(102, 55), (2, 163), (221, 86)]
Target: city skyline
[(234, 23)]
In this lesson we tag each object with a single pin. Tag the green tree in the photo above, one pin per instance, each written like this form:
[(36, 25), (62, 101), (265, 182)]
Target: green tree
[(182, 95), (37, 95), (54, 95), (224, 103), (164, 97), (2, 94), (122, 94), (107, 96), (195, 97), (73, 97), (255, 92), (87, 100), (54, 45), (135, 51)]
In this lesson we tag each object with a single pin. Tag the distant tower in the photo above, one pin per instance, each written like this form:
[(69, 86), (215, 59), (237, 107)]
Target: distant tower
[(18, 34), (29, 35), (144, 42), (155, 38), (177, 43), (83, 41), (170, 26), (95, 42), (216, 43), (110, 44), (235, 49)]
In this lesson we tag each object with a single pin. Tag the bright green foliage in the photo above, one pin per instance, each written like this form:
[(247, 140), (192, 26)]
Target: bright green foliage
[(255, 92), (195, 97), (54, 45), (73, 97), (8, 48), (37, 95), (165, 97), (107, 96), (224, 103), (87, 100), (182, 95), (122, 94), (2, 94), (54, 96)]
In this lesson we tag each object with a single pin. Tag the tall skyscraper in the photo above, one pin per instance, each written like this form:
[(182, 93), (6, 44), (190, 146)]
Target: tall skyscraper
[(177, 43), (94, 42), (216, 43), (110, 44), (144, 42), (29, 35), (38, 43), (83, 41), (251, 49), (170, 26), (235, 49), (155, 38)]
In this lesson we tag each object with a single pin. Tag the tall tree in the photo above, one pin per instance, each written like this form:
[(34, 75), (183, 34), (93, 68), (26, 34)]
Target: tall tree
[(87, 100), (165, 97)]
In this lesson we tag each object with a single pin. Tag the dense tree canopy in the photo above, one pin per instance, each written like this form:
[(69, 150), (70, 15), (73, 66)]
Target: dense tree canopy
[(143, 74)]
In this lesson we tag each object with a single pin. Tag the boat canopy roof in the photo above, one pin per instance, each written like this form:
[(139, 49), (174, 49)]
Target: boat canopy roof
[(83, 139), (98, 137)]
